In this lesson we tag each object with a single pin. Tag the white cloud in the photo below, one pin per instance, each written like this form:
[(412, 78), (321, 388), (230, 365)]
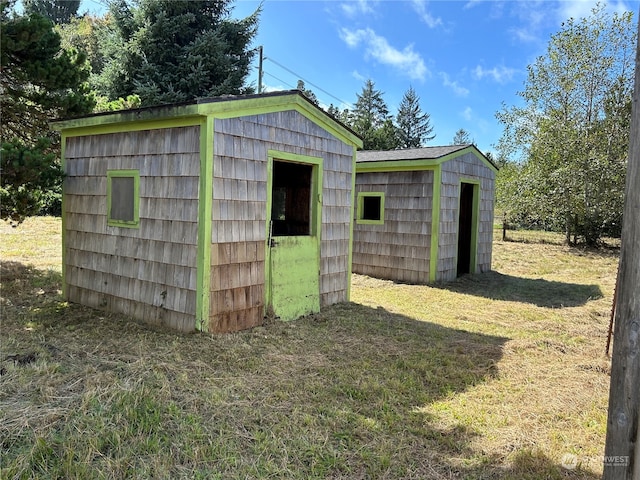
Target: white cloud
[(420, 6), (500, 74), (407, 60), (354, 8), (467, 114), (452, 84), (358, 76)]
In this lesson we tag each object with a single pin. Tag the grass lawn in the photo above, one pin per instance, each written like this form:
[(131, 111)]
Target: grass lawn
[(499, 375)]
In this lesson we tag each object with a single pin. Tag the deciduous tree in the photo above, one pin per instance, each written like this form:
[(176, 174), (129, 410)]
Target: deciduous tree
[(571, 132)]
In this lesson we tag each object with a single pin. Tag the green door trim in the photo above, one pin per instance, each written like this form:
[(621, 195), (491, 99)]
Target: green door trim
[(316, 198), (435, 224)]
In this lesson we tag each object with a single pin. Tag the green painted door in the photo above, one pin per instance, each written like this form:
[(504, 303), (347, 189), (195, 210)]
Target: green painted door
[(295, 286), (293, 246)]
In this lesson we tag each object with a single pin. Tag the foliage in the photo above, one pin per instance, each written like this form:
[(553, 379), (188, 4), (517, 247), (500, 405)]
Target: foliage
[(29, 176), (105, 105), (572, 134), (40, 81), (461, 137), (87, 34), (414, 126), (58, 11), (166, 51), (307, 93), (371, 120)]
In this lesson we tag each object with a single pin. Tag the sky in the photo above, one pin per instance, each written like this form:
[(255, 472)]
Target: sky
[(465, 59)]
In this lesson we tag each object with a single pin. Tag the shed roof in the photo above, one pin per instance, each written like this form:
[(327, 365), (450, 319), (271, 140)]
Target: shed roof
[(418, 157), (226, 106), (425, 153)]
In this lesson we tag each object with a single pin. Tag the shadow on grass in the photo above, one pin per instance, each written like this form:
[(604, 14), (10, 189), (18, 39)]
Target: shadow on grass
[(537, 291), (331, 395)]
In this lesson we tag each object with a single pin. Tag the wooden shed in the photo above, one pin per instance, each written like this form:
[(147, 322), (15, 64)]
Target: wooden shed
[(423, 215), (211, 214)]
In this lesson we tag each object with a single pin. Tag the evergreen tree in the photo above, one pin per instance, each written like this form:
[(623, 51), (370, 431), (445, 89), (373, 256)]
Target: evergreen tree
[(461, 138), (307, 93), (168, 51), (39, 82), (58, 11), (414, 126), (371, 120), (344, 116)]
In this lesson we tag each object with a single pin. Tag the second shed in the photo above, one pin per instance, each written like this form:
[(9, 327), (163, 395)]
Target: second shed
[(423, 215)]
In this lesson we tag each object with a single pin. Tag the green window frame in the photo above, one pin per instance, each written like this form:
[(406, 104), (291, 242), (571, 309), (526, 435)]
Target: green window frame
[(123, 198), (370, 208)]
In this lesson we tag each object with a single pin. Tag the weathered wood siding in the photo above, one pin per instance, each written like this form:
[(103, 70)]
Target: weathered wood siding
[(148, 272), (239, 213), (400, 248), (467, 166)]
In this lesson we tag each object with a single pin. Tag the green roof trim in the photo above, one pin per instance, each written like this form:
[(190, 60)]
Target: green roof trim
[(415, 159), (191, 113)]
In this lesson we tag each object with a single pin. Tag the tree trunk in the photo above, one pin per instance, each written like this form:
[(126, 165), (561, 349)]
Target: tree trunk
[(621, 460)]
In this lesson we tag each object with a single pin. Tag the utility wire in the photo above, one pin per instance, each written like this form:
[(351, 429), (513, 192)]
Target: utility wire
[(278, 79), (342, 102)]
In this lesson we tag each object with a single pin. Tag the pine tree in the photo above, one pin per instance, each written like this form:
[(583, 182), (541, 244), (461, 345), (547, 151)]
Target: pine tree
[(58, 11), (414, 126), (371, 120), (168, 51), (461, 138), (39, 82), (307, 93)]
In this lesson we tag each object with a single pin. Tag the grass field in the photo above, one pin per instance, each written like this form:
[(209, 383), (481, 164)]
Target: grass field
[(493, 376)]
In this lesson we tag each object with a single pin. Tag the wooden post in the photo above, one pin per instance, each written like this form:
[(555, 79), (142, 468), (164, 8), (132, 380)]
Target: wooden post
[(621, 461)]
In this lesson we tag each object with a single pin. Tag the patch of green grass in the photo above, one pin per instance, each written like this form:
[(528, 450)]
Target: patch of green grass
[(492, 376)]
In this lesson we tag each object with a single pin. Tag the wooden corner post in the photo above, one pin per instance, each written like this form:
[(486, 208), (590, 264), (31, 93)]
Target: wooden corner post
[(622, 449)]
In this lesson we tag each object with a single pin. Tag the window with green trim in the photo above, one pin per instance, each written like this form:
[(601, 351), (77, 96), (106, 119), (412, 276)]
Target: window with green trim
[(123, 198), (371, 208)]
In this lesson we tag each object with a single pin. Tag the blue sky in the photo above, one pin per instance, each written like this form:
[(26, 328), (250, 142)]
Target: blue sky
[(463, 58)]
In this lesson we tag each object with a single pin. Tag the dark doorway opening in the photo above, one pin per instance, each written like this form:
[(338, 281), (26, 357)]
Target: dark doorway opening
[(465, 228), (291, 199)]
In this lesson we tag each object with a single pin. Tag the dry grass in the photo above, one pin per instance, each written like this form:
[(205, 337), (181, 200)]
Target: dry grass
[(492, 376)]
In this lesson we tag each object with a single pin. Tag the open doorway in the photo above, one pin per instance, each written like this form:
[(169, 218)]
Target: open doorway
[(467, 223), (291, 199)]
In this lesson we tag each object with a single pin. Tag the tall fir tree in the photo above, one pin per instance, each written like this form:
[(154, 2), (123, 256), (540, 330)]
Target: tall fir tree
[(461, 137), (371, 120), (414, 126), (168, 51)]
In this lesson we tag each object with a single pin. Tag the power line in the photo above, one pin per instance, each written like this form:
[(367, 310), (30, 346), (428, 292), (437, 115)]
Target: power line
[(278, 79), (342, 102)]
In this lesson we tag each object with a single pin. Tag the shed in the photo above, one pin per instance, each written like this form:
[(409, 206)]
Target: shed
[(210, 214), (423, 215)]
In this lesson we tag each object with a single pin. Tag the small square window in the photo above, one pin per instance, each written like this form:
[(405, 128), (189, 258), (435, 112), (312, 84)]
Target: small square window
[(371, 208), (123, 198)]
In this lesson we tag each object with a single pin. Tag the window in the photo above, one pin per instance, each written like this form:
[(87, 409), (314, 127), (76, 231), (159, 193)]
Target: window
[(371, 208), (123, 198)]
